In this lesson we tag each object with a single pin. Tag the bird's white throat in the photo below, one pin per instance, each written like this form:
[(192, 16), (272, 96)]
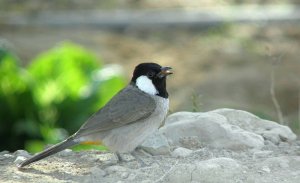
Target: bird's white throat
[(145, 84)]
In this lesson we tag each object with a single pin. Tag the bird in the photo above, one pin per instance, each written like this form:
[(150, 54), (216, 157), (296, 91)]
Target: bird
[(133, 114)]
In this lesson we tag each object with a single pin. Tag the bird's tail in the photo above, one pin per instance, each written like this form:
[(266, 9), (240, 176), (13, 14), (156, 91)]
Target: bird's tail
[(52, 150)]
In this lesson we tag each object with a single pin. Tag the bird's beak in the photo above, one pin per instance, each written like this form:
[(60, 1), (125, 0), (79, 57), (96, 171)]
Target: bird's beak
[(164, 71)]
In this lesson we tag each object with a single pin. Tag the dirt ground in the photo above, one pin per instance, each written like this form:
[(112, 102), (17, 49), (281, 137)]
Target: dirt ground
[(272, 164)]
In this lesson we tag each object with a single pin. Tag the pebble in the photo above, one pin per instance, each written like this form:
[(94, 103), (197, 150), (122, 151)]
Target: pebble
[(8, 156), (124, 175), (127, 157), (16, 177), (20, 159), (66, 152), (181, 152), (266, 169), (104, 158), (22, 153)]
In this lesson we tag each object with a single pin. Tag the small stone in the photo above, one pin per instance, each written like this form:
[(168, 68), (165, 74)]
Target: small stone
[(181, 152), (20, 159), (22, 153), (127, 157), (65, 153), (266, 169), (16, 177), (156, 144), (104, 158), (8, 156), (191, 142), (124, 175)]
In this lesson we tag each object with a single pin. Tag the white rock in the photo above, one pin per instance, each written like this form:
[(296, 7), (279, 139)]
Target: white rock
[(127, 157), (266, 169), (66, 152), (8, 156), (268, 129), (212, 129), (19, 159), (16, 177), (22, 153), (181, 152), (124, 175), (156, 144)]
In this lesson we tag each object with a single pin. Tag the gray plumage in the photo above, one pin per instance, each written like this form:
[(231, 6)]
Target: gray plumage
[(127, 137), (128, 106)]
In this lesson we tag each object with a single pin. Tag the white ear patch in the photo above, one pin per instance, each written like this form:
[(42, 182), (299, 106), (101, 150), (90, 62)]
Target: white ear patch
[(145, 84)]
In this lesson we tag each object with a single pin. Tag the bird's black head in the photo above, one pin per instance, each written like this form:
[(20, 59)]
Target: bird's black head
[(151, 78)]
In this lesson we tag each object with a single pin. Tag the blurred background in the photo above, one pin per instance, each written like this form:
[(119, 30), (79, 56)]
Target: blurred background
[(61, 60)]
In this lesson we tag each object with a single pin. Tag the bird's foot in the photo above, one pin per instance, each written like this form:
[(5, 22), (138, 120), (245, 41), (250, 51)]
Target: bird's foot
[(135, 155)]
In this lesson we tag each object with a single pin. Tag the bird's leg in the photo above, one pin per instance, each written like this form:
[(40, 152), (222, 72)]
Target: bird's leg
[(139, 159), (119, 157), (136, 155)]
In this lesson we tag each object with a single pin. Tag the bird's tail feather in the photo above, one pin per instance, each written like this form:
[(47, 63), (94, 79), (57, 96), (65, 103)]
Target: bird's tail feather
[(52, 150)]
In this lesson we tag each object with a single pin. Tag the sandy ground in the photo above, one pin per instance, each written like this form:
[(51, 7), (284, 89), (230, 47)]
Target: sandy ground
[(271, 164)]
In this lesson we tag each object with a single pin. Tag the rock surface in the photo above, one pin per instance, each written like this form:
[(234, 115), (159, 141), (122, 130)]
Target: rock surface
[(212, 129), (270, 130), (156, 144), (194, 156), (181, 152)]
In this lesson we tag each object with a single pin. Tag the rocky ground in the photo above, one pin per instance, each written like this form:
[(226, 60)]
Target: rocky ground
[(224, 145)]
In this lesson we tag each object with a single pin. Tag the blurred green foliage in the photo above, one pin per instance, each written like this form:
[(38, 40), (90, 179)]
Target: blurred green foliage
[(52, 97)]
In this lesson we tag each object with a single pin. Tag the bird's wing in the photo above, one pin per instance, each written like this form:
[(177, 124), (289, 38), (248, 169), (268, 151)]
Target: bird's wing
[(128, 106)]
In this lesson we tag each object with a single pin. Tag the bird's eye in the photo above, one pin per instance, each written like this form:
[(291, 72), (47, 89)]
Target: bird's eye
[(150, 74)]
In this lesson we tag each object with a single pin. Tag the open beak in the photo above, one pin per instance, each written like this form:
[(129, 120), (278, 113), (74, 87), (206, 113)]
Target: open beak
[(164, 72)]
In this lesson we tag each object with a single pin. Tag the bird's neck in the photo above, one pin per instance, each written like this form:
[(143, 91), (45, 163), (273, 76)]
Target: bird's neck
[(151, 87)]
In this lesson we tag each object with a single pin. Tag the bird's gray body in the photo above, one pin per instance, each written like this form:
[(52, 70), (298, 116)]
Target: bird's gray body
[(127, 137), (127, 119)]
